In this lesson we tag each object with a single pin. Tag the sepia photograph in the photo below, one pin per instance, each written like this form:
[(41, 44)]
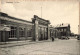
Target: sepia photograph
[(39, 27)]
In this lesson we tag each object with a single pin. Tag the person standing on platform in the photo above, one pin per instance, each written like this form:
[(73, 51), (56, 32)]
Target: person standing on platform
[(52, 37)]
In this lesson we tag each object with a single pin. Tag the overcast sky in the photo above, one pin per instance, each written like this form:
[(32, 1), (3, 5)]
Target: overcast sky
[(55, 11)]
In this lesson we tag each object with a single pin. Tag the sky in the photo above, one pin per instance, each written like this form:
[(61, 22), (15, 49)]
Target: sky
[(57, 12)]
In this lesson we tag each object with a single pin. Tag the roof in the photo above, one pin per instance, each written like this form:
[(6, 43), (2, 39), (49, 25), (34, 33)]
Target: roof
[(6, 15), (62, 25)]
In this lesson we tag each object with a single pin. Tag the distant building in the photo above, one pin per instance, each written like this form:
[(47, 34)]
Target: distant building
[(63, 30)]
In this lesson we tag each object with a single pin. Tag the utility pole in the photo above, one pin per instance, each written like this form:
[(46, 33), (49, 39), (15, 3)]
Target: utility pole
[(79, 19), (41, 11), (0, 5)]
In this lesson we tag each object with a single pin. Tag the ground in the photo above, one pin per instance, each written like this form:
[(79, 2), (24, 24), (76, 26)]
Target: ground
[(58, 47)]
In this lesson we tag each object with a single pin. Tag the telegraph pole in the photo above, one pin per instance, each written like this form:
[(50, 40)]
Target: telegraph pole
[(41, 11), (79, 19), (0, 5)]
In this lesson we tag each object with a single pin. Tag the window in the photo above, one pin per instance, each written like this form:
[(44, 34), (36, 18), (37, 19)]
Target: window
[(3, 21), (12, 33), (21, 32), (64, 30), (29, 32)]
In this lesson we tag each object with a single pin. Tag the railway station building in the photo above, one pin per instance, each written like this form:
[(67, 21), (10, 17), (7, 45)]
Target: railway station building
[(15, 29)]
